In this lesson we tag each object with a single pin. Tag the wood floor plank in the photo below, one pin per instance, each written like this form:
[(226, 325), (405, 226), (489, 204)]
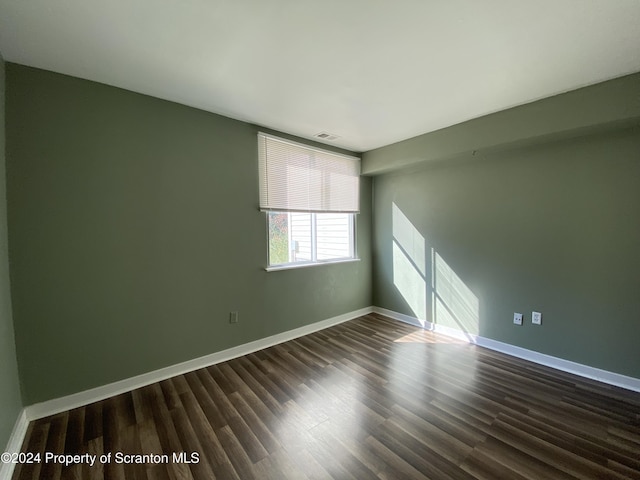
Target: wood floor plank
[(418, 454), (309, 465), (335, 463), (446, 445), (167, 435), (55, 445), (396, 468), (238, 426), (35, 442), (73, 443), (170, 393), (371, 398), (75, 431), (307, 356), (256, 395), (272, 396), (210, 409), (255, 424), (561, 459), (512, 458), (212, 450), (150, 444), (276, 466), (131, 444), (112, 439), (190, 442), (95, 472), (484, 467), (93, 421), (238, 457)]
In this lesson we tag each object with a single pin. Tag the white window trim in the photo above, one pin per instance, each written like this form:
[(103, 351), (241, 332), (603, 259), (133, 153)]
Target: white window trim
[(293, 266), (314, 263)]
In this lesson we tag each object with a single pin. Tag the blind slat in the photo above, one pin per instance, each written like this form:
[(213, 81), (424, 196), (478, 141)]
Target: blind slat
[(295, 177)]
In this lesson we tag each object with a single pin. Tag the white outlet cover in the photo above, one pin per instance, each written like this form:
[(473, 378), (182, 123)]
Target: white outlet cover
[(517, 319), (536, 318)]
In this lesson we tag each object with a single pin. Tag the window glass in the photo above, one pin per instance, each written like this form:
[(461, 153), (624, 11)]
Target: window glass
[(300, 237)]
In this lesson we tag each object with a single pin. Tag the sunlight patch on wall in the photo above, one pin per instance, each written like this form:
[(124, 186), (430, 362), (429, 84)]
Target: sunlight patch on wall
[(455, 304), (409, 263), (410, 283), (409, 239), (429, 286)]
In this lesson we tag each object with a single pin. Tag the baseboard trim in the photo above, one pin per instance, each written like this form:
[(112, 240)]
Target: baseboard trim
[(57, 405), (14, 444), (610, 378)]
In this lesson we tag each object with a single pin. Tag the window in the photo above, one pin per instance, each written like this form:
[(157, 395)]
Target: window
[(296, 237), (311, 197)]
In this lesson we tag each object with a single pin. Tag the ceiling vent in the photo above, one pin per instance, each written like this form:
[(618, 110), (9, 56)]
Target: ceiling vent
[(326, 136)]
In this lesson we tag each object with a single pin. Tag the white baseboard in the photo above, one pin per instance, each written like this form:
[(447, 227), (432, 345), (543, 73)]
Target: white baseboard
[(52, 407), (611, 378), (57, 405), (14, 444)]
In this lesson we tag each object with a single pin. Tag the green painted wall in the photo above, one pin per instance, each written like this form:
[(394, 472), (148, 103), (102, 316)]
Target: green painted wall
[(552, 227), (134, 230), (10, 400), (608, 105)]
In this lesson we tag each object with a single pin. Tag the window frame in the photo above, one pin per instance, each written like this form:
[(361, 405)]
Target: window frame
[(353, 244), (301, 178)]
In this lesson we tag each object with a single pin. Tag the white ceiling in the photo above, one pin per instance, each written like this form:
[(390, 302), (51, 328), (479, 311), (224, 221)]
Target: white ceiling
[(373, 72)]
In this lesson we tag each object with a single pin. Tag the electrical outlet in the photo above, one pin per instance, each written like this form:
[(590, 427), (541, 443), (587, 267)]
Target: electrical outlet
[(233, 317), (517, 319), (536, 318)]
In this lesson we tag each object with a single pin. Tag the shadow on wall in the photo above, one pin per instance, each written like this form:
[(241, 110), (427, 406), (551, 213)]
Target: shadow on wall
[(433, 291)]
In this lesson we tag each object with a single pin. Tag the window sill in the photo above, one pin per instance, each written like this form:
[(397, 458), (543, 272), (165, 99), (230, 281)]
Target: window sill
[(292, 266)]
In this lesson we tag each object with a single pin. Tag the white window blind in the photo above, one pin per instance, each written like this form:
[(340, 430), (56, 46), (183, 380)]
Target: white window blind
[(295, 177)]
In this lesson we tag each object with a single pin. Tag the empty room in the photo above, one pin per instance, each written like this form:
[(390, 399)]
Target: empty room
[(319, 240)]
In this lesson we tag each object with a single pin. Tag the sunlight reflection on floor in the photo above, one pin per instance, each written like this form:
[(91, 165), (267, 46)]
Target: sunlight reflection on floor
[(426, 336)]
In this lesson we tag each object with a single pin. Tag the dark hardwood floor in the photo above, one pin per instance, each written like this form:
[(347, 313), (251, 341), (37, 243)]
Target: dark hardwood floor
[(370, 398)]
